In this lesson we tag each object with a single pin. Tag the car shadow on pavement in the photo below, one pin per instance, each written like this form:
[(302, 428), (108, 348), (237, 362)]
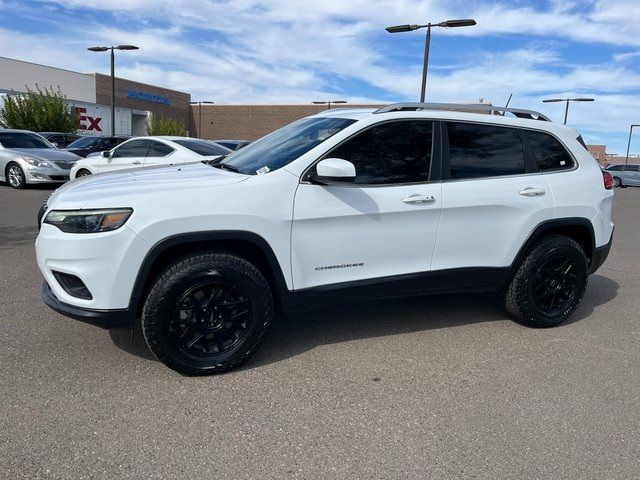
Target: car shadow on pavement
[(12, 236), (295, 333)]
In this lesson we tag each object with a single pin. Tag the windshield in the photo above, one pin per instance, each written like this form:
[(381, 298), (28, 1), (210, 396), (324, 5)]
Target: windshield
[(203, 147), (285, 145), (23, 140), (84, 142)]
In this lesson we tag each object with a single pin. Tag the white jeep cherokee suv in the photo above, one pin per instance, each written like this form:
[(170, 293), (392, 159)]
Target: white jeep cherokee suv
[(343, 205)]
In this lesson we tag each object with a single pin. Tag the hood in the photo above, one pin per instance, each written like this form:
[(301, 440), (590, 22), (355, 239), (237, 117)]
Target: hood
[(140, 185), (46, 153)]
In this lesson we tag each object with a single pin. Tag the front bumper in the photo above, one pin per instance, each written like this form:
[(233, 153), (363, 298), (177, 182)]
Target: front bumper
[(100, 318)]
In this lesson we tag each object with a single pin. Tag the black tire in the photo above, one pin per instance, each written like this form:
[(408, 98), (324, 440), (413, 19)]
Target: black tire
[(15, 176), (617, 182), (554, 271), (183, 303), (83, 172)]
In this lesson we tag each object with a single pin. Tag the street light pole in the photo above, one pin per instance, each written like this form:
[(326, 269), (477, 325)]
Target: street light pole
[(113, 77), (199, 103), (626, 160), (328, 102), (567, 100), (467, 22)]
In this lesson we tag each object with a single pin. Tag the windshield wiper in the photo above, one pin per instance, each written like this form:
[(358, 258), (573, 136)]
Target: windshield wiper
[(226, 166), (216, 161)]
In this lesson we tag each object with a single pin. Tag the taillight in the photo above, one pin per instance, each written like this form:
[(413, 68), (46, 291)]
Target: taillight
[(608, 180)]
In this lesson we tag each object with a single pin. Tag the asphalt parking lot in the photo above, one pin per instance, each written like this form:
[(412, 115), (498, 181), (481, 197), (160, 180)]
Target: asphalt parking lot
[(431, 387)]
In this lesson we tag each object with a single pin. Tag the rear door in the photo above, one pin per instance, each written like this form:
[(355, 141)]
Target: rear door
[(492, 198), (128, 155), (159, 154), (383, 226)]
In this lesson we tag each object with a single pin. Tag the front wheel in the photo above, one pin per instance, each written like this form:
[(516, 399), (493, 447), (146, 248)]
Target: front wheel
[(549, 284), (15, 176), (83, 172), (207, 313)]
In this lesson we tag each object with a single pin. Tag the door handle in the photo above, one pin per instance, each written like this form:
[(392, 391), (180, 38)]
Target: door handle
[(136, 162), (532, 192), (419, 199)]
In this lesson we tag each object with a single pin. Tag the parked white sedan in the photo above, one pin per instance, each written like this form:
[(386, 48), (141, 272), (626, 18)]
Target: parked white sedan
[(149, 151)]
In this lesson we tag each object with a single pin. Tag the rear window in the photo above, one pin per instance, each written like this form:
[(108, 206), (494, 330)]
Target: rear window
[(477, 151), (549, 153), (202, 147)]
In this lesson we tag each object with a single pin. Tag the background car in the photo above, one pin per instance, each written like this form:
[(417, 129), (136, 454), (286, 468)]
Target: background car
[(149, 151), (625, 175), (232, 144), (60, 139), (26, 157), (87, 145)]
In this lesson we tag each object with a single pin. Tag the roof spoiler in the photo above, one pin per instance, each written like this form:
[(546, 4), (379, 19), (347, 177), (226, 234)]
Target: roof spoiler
[(464, 107)]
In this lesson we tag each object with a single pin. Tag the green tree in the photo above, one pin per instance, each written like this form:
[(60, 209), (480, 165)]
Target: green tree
[(39, 110), (165, 126)]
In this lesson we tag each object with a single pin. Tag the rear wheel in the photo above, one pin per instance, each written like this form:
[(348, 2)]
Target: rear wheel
[(15, 176), (617, 182), (83, 172), (207, 313), (549, 284)]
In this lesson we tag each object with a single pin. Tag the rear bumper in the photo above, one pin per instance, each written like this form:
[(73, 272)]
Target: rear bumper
[(100, 318), (600, 254)]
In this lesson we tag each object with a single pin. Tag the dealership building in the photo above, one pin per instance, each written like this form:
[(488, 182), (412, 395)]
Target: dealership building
[(89, 94)]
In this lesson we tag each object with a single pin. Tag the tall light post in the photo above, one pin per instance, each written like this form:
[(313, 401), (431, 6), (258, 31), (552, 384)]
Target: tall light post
[(199, 103), (328, 102), (467, 22), (629, 142), (567, 100), (113, 77)]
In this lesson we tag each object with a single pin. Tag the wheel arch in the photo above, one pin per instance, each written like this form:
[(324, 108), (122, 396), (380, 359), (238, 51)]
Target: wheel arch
[(579, 229), (249, 245)]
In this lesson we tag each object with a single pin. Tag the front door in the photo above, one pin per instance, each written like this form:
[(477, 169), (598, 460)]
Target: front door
[(130, 154), (380, 227)]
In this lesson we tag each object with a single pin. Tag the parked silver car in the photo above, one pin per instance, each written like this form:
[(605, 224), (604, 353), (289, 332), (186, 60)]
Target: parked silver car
[(625, 175), (26, 157)]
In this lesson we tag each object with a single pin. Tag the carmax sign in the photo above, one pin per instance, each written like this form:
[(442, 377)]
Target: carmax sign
[(147, 97)]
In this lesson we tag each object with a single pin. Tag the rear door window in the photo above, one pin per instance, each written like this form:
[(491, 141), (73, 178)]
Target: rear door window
[(477, 151), (549, 153)]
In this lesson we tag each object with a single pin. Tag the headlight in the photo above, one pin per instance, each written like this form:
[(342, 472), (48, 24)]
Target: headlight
[(88, 221), (36, 162)]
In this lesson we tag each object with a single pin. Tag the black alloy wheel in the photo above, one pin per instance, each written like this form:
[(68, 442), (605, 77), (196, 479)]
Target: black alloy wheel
[(210, 318), (207, 312), (555, 284)]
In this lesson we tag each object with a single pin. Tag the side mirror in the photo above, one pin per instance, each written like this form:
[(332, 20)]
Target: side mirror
[(334, 170), (105, 154), (55, 144)]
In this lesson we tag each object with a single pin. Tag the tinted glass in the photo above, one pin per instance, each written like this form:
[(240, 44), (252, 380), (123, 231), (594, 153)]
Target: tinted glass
[(549, 152), (107, 143), (285, 145), (394, 152), (616, 168), (632, 168), (203, 147), (23, 140), (85, 142), (158, 149), (135, 148), (484, 151)]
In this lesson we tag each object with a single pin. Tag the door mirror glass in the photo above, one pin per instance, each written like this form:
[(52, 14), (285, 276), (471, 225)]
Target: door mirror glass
[(105, 154), (333, 170)]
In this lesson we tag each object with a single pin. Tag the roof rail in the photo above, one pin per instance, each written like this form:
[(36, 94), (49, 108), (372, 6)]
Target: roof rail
[(465, 107)]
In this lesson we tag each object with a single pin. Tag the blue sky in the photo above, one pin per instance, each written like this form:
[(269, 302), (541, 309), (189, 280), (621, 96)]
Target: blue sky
[(259, 51)]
